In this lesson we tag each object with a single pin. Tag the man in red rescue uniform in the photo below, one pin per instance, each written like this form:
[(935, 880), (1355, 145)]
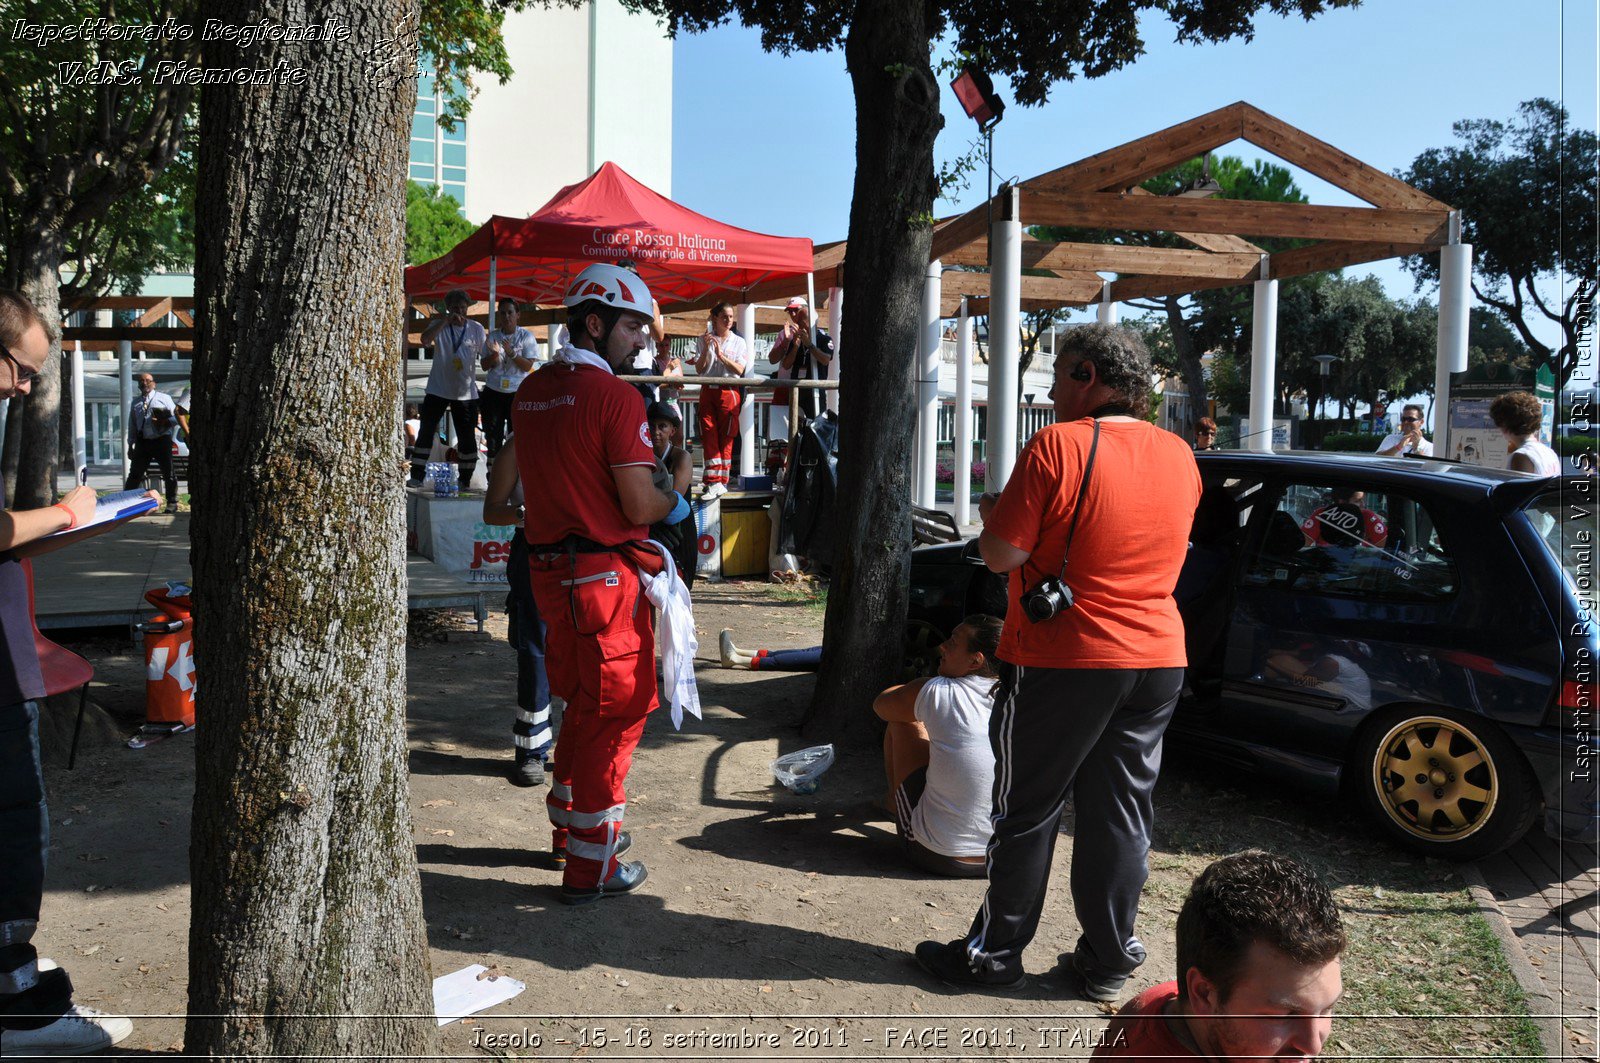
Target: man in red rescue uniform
[(591, 489)]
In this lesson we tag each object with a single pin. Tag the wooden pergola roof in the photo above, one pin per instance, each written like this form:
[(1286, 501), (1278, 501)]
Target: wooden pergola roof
[(1102, 192)]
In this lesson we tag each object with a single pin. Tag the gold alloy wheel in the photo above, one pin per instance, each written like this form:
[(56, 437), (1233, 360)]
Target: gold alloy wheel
[(1435, 779)]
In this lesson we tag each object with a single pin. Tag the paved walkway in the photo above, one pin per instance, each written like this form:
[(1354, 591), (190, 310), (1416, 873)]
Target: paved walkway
[(1550, 894)]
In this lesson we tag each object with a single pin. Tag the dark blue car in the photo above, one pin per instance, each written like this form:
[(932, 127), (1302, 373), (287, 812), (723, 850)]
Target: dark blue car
[(1417, 635)]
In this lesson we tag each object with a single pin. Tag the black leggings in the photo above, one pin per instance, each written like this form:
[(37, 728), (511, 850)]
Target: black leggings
[(464, 412)]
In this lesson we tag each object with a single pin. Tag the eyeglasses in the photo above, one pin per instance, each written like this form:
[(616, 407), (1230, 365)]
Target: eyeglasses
[(1413, 420), (24, 374)]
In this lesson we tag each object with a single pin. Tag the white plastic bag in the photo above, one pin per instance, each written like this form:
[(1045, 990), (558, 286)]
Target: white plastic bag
[(800, 770)]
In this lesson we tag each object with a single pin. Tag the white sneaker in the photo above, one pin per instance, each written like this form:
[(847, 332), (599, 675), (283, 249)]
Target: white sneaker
[(714, 491), (77, 1033)]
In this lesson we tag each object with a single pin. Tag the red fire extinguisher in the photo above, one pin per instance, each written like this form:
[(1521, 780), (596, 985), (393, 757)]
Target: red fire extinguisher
[(169, 665)]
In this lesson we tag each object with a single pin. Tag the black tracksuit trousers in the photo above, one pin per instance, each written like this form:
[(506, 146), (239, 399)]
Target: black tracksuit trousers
[(1094, 735)]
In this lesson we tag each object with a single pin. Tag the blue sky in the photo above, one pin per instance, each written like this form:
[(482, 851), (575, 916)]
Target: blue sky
[(768, 142)]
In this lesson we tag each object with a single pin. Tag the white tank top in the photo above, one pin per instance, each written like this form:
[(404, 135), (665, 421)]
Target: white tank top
[(1546, 462)]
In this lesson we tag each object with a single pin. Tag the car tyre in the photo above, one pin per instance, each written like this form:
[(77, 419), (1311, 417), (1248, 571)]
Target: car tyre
[(1444, 783)]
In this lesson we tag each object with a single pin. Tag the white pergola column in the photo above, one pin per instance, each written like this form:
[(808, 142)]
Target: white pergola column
[(80, 427), (1106, 313), (747, 410), (125, 393), (963, 457), (928, 387), (1005, 338), (835, 323), (1455, 304), (1263, 361)]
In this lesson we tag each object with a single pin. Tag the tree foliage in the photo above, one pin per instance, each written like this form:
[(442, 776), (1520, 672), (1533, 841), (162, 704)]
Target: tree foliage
[(1386, 349), (434, 223), (887, 46), (1527, 192)]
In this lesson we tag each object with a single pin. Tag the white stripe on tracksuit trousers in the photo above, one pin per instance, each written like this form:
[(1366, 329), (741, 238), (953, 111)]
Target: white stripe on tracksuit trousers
[(1093, 734)]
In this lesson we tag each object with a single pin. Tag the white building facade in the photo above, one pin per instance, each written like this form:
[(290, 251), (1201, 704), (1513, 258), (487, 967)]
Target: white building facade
[(591, 84)]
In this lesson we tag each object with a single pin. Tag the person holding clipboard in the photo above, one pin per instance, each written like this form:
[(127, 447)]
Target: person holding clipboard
[(37, 1015)]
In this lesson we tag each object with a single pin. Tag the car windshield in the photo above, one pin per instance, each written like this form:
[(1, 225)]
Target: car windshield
[(1566, 524)]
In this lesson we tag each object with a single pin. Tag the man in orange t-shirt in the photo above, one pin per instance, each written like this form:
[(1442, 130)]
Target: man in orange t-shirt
[(1085, 693)]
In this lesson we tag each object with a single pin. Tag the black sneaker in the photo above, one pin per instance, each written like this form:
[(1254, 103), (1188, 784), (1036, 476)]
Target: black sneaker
[(948, 963), (624, 880), (624, 843), (527, 771), (1103, 988)]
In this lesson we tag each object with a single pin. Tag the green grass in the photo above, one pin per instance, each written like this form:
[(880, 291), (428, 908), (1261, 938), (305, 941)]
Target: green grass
[(813, 594)]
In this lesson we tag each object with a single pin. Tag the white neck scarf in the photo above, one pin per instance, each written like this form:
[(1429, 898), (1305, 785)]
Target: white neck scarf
[(578, 356)]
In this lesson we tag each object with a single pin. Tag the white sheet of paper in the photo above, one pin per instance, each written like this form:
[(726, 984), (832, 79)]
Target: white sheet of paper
[(455, 996)]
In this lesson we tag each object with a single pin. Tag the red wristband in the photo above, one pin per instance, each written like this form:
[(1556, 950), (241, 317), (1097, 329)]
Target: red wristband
[(71, 516)]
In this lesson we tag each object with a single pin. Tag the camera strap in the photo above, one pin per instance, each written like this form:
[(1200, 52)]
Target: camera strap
[(1083, 489)]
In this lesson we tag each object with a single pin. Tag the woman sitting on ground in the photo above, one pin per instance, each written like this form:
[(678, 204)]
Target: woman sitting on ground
[(937, 756)]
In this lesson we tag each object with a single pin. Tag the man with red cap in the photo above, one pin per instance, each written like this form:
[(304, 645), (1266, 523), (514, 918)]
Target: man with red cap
[(592, 487)]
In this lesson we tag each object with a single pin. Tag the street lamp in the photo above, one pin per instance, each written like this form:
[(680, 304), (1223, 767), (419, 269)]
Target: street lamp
[(1323, 362)]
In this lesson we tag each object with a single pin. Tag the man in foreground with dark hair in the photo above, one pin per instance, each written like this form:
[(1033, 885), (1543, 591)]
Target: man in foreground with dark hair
[(1259, 940), (1092, 529)]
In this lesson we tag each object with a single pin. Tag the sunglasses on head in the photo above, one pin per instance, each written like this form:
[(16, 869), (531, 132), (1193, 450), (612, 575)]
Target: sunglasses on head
[(24, 374)]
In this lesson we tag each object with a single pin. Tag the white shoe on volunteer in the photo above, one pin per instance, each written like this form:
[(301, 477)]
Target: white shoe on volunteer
[(77, 1033)]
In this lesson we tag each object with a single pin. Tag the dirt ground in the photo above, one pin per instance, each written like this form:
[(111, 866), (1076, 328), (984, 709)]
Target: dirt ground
[(772, 924)]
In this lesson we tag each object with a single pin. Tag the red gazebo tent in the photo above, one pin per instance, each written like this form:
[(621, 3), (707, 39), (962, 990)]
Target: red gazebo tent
[(682, 255)]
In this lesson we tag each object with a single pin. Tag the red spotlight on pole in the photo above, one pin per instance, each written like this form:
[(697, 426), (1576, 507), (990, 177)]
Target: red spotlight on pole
[(976, 93)]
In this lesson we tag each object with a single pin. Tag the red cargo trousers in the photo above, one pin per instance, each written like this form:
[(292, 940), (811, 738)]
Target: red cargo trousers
[(600, 656), (719, 428)]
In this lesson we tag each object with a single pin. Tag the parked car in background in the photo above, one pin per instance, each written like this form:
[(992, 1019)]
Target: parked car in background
[(1408, 633)]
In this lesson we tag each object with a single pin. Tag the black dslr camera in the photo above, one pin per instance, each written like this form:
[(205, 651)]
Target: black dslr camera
[(1046, 599)]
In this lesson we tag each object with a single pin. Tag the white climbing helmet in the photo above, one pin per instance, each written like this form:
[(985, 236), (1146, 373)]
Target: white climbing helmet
[(612, 285)]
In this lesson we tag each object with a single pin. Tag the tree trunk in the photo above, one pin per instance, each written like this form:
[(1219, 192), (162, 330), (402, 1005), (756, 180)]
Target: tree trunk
[(306, 897), (897, 118), (39, 278), (1183, 346)]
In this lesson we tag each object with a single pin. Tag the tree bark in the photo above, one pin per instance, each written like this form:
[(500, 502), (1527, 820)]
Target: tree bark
[(897, 118), (1188, 356), (307, 937), (38, 278)]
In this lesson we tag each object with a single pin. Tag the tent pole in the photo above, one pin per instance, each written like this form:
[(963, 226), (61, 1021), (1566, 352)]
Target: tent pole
[(493, 264), (1263, 361), (927, 437), (125, 396), (963, 461), (835, 322), (1106, 314), (1005, 324), (747, 408), (1455, 306), (811, 308)]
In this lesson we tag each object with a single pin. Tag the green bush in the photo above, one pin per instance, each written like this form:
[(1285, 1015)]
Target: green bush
[(1573, 444), (1357, 442)]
